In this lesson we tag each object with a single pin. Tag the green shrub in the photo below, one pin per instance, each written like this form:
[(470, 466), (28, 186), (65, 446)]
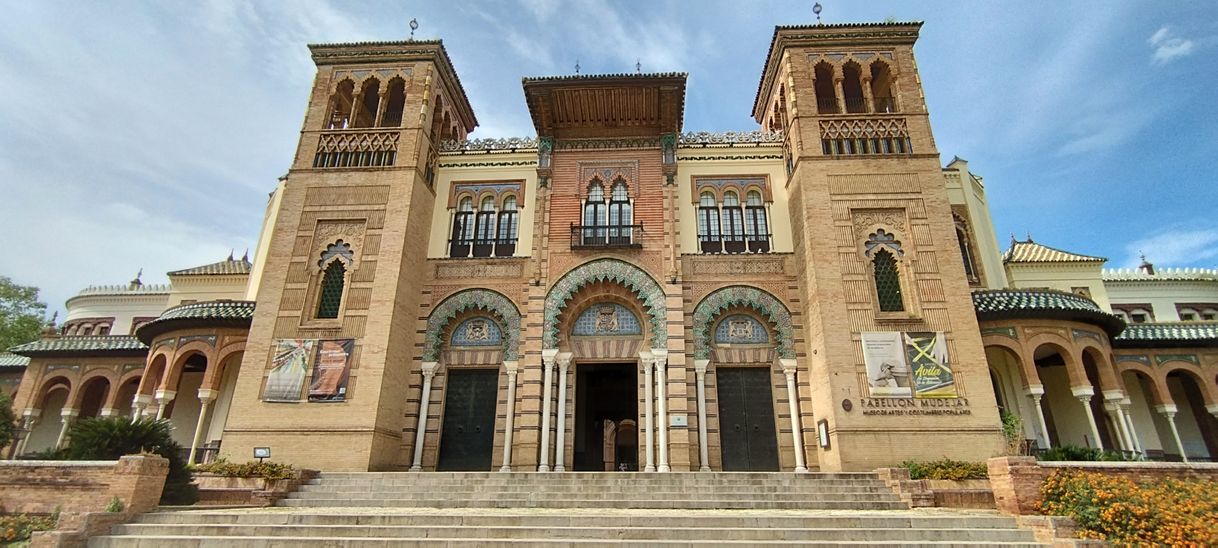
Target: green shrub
[(115, 505), (49, 453), (251, 469), (946, 469), (1076, 453), (1012, 431), (8, 420), (19, 527), (108, 438)]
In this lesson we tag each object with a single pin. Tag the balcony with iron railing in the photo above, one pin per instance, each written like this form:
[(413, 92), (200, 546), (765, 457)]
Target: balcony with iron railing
[(856, 105), (356, 148), (747, 243), (606, 236)]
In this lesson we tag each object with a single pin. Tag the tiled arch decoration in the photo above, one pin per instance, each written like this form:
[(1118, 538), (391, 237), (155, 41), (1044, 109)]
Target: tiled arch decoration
[(501, 308), (739, 295), (612, 270)]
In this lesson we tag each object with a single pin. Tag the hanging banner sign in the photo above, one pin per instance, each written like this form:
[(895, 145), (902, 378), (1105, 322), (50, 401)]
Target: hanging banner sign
[(888, 374), (331, 370), (288, 368), (926, 354)]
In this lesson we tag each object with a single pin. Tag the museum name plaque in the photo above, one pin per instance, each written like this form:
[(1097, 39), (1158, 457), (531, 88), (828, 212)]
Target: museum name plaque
[(912, 406)]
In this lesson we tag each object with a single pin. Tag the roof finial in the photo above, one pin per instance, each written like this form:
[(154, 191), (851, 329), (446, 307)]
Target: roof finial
[(133, 284), (577, 65), (49, 330), (230, 254), (638, 66), (816, 8), (246, 257), (1013, 240), (414, 25), (1146, 266), (1029, 236)]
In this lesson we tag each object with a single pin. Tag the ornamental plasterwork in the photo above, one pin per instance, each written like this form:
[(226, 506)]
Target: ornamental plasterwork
[(864, 128), (1008, 332), (762, 302), (480, 271), (610, 270), (329, 232), (867, 221), (358, 77), (503, 310), (709, 138), (1161, 359), (508, 144), (608, 172), (733, 265), (1144, 360), (1082, 333), (1030, 332)]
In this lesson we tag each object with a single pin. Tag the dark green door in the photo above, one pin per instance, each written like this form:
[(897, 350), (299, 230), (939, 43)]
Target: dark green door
[(746, 419), (468, 435)]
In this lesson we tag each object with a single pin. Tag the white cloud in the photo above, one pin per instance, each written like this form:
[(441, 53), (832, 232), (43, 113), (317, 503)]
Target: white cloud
[(1168, 46), (1176, 246)]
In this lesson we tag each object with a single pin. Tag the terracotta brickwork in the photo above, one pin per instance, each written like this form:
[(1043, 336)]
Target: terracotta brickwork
[(76, 487), (1016, 481)]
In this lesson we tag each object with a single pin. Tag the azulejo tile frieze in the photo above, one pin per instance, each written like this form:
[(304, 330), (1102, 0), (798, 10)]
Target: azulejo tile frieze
[(740, 295), (501, 307)]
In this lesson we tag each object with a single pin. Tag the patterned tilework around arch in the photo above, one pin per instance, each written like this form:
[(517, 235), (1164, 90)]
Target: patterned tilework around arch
[(611, 270), (739, 295), (500, 307)]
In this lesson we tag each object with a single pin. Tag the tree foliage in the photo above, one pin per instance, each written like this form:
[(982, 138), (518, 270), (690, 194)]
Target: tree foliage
[(21, 314), (8, 420), (108, 438)]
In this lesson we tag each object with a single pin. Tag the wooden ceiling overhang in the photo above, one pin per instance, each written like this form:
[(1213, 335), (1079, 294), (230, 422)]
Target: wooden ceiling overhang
[(820, 36), (606, 105), (402, 51)]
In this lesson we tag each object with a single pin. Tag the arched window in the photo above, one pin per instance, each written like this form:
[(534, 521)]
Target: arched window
[(756, 225), (595, 216), (708, 223), (505, 245), (887, 281), (484, 233), (366, 104), (826, 95), (733, 223), (881, 87), (331, 290), (852, 87), (395, 103), (340, 105), (621, 215), (463, 229), (966, 252)]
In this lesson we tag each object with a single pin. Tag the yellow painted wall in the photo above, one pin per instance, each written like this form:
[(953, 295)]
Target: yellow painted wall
[(1060, 276), (264, 241), (456, 169), (688, 168), (963, 188), (207, 288)]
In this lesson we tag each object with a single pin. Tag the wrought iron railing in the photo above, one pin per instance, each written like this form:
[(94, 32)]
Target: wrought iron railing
[(749, 243), (606, 236), (347, 148)]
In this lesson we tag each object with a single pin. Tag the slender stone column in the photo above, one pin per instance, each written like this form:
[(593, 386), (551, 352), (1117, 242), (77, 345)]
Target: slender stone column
[(1084, 395), (797, 437), (206, 396), (1036, 392), (560, 445), (867, 96), (420, 428), (547, 363), (1126, 405), (31, 419), (648, 411), (1169, 410), (840, 95), (68, 415), (661, 360), (1117, 424), (512, 367), (703, 443), (138, 405), (163, 397), (106, 412), (381, 100)]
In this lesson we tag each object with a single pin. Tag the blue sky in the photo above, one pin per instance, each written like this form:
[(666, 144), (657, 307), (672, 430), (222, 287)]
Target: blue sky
[(148, 134)]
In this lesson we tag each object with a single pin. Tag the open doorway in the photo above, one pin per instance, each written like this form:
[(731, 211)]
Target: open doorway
[(606, 418)]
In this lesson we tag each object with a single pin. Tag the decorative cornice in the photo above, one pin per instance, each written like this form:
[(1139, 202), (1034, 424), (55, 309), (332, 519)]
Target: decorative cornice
[(730, 138), (740, 157), (507, 144), (490, 164)]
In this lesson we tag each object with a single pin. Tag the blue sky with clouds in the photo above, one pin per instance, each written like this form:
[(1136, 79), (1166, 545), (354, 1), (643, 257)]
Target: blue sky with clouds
[(148, 134)]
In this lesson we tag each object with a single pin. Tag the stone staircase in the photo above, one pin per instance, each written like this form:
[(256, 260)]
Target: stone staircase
[(631, 509)]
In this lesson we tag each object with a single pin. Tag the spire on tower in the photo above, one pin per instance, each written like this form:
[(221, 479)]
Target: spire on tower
[(414, 25), (816, 8), (576, 65)]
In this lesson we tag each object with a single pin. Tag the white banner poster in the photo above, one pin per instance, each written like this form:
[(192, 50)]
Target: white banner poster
[(887, 370)]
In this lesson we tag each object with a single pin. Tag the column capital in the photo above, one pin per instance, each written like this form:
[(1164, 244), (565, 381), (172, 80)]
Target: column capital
[(31, 412), (548, 355), (1034, 390), (1082, 392), (207, 395), (564, 360), (1126, 403), (788, 365), (68, 412), (1213, 409), (142, 399), (700, 366), (659, 354), (166, 395), (429, 368), (511, 367), (106, 412), (1114, 395), (1167, 408)]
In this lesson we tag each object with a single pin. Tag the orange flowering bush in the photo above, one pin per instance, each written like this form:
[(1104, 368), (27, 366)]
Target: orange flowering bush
[(1163, 512), (18, 527)]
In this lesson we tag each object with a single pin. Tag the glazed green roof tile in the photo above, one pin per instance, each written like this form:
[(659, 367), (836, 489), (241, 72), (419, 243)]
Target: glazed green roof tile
[(10, 360), (76, 346), (1168, 334), (219, 313), (1032, 252), (226, 267), (1001, 304)]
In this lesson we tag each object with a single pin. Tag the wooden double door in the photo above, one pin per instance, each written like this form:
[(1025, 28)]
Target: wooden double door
[(467, 437), (746, 419)]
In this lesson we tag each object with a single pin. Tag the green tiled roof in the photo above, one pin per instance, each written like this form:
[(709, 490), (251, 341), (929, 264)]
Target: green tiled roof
[(1137, 335), (78, 346), (1001, 304), (221, 313), (10, 360), (226, 267)]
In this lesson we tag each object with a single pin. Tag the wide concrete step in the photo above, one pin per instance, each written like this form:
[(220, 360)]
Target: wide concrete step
[(875, 520), (263, 542), (594, 502), (581, 533), (823, 484), (649, 495), (582, 476)]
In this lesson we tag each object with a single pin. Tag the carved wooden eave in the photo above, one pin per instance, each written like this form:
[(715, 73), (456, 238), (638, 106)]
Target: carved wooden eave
[(358, 53), (821, 36), (606, 106)]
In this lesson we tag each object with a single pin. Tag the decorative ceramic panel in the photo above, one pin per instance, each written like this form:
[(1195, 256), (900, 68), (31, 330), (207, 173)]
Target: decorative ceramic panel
[(607, 319)]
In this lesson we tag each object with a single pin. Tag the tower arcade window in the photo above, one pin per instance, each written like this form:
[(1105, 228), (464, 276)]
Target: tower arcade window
[(826, 97), (852, 88), (395, 103), (883, 250), (366, 104), (334, 261), (881, 88)]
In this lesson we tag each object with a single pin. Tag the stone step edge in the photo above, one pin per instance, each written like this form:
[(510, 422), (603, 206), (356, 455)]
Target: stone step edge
[(474, 541)]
